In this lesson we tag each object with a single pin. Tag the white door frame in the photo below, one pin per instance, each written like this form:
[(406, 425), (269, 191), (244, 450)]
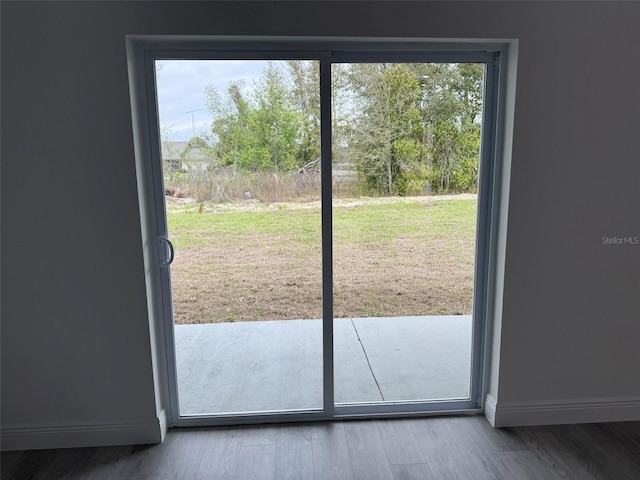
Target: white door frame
[(142, 53)]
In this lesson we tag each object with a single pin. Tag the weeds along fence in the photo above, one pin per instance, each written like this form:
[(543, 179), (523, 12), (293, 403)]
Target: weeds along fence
[(225, 185)]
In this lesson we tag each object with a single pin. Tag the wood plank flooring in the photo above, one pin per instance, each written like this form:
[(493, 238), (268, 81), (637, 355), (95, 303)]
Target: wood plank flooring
[(444, 448)]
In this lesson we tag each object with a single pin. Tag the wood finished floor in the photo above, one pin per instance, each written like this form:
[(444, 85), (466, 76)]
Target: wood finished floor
[(416, 449)]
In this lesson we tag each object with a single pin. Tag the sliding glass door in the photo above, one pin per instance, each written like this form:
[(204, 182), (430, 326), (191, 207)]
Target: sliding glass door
[(322, 225), (242, 202), (406, 153)]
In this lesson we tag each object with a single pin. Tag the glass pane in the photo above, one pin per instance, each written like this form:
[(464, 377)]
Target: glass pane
[(406, 152), (240, 153)]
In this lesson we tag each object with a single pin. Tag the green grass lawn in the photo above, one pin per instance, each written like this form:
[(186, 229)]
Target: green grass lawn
[(368, 223), (258, 261)]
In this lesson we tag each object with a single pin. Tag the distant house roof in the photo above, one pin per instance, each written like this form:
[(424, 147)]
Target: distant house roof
[(175, 151), (172, 150)]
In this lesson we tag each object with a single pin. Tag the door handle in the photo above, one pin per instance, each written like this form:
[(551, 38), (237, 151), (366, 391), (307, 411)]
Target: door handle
[(164, 243)]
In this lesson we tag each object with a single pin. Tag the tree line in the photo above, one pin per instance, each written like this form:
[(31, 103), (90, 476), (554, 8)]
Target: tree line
[(406, 128)]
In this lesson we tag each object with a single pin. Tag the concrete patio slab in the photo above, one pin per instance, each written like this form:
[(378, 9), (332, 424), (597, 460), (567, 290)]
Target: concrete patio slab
[(277, 365), (418, 358), (249, 366)]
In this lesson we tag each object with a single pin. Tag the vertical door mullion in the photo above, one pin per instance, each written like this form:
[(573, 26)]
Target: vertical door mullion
[(484, 276), (327, 233), (165, 306)]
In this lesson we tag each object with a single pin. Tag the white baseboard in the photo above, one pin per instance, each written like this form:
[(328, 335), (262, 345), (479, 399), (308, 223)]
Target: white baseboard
[(579, 410), (164, 425), (490, 410), (128, 432)]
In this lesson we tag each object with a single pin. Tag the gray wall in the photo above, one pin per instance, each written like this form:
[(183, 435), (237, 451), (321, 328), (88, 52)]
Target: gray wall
[(76, 348)]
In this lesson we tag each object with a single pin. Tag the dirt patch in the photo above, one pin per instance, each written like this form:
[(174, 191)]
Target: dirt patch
[(184, 203), (222, 284)]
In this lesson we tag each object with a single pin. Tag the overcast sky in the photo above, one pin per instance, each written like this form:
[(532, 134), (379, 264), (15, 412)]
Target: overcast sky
[(181, 86)]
